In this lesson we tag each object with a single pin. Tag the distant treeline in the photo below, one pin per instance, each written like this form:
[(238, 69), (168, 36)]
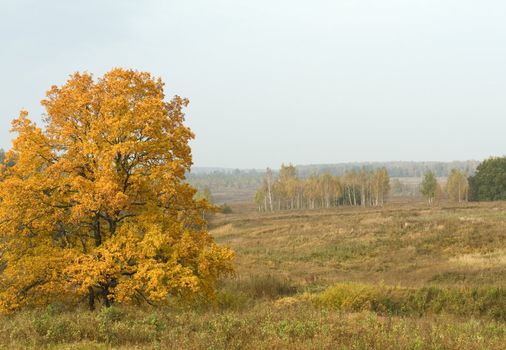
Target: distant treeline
[(224, 178), (288, 191), (395, 168)]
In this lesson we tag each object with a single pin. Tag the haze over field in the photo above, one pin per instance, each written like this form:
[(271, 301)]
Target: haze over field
[(285, 81)]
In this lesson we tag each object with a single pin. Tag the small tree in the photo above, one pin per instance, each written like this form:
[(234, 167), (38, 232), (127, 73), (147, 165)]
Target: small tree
[(225, 209), (457, 186), (429, 186), (205, 194)]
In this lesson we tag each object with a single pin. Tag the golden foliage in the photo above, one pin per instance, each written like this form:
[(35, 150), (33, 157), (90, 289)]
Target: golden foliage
[(95, 204)]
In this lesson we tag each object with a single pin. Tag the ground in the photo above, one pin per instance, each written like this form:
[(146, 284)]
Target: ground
[(404, 276), (408, 244)]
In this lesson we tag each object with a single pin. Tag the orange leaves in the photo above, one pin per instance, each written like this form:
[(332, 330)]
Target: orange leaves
[(98, 198)]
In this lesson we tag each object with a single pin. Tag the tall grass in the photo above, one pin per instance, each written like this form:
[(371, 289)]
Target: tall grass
[(265, 325), (483, 302)]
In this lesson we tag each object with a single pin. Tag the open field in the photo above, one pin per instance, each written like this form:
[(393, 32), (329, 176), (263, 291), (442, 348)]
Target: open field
[(400, 244), (405, 276)]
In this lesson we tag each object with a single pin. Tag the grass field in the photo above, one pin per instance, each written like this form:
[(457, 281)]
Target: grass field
[(405, 276), (401, 244)]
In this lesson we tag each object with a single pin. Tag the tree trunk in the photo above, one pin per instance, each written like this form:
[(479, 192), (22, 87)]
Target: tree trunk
[(97, 235), (91, 298), (269, 193)]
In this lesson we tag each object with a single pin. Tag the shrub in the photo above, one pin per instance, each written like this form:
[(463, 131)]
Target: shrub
[(256, 287), (268, 286), (232, 300), (225, 209)]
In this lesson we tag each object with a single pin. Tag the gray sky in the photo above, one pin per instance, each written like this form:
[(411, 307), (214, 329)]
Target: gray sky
[(283, 81)]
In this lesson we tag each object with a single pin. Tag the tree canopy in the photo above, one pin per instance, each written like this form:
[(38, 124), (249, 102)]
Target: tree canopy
[(96, 207), (489, 181)]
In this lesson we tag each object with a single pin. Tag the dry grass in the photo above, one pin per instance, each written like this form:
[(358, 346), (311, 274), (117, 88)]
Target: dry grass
[(266, 325), (481, 261), (405, 276), (402, 244)]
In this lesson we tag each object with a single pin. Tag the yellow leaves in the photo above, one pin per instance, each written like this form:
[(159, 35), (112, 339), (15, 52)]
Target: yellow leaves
[(33, 279), (96, 204)]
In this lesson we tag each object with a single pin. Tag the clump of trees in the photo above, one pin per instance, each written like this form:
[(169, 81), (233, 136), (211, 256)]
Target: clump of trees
[(489, 181), (288, 191), (225, 209), (95, 206), (487, 184), (456, 190)]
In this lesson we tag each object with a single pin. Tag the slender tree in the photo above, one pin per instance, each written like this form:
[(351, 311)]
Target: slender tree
[(429, 186)]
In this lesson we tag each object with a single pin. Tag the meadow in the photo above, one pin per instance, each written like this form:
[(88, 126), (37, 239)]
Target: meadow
[(403, 276)]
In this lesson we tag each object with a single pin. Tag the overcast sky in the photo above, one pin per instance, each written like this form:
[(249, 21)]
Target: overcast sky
[(273, 81)]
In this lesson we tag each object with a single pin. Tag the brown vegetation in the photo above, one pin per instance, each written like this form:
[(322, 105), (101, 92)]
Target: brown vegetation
[(404, 276)]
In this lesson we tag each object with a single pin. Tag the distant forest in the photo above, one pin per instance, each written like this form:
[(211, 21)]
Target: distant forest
[(220, 178), (395, 169), (229, 185)]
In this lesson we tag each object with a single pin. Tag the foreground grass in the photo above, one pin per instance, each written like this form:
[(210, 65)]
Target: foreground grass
[(267, 313), (273, 325)]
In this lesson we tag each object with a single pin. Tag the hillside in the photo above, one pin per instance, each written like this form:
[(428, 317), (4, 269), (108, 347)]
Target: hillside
[(399, 244)]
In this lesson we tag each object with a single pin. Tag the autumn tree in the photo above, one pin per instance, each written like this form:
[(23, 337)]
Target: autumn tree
[(268, 186), (261, 199), (429, 186), (350, 180), (286, 186), (380, 186), (457, 186), (311, 191), (363, 180), (96, 205)]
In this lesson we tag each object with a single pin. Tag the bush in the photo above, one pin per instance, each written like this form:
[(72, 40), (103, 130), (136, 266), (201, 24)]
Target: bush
[(268, 286), (232, 300), (257, 287), (225, 209)]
